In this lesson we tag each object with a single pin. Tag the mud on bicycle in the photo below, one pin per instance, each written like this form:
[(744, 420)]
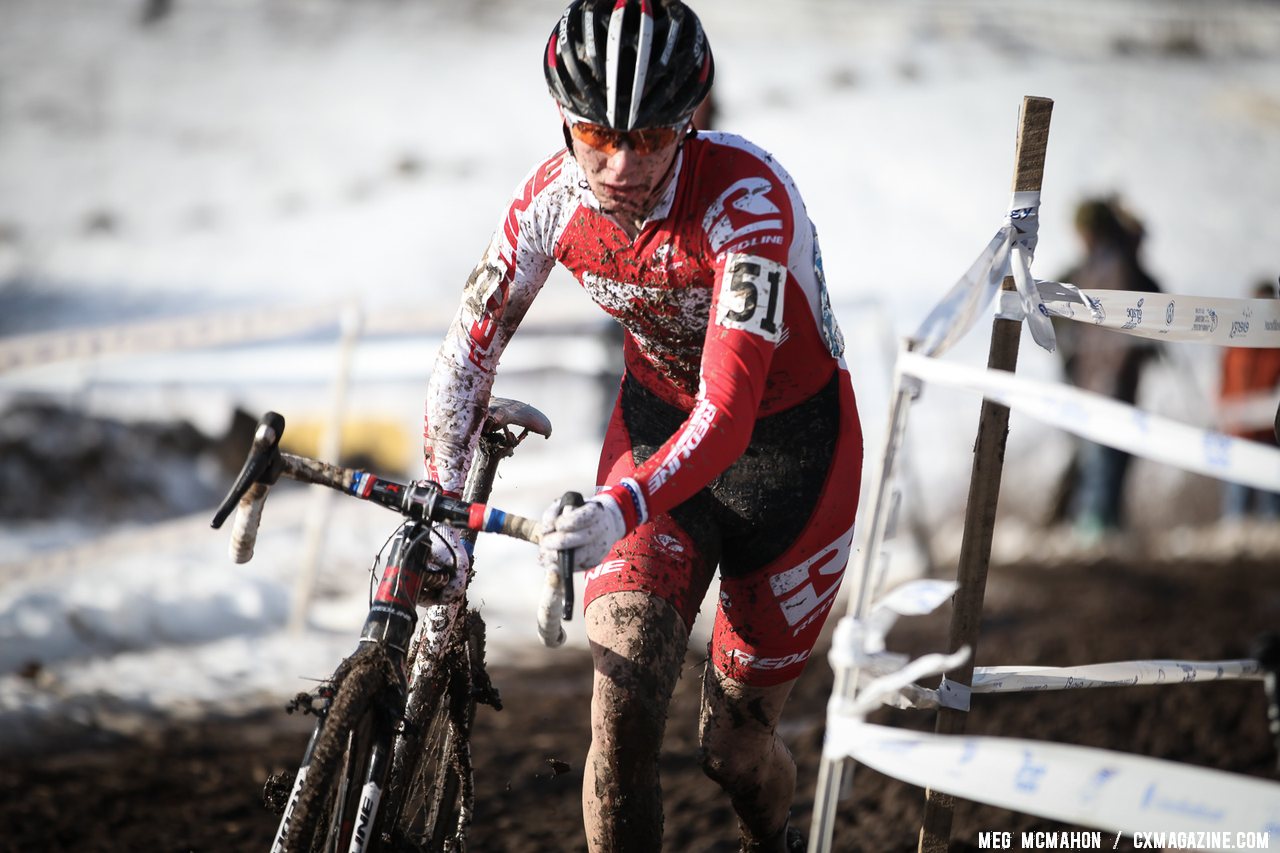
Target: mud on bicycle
[(388, 764)]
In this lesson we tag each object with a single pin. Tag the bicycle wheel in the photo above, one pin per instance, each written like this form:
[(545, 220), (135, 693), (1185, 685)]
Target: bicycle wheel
[(359, 716), (433, 788)]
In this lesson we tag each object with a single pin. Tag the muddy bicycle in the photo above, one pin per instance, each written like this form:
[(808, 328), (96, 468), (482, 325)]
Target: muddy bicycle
[(388, 764)]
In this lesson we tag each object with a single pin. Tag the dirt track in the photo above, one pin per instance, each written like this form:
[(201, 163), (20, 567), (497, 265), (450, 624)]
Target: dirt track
[(196, 789)]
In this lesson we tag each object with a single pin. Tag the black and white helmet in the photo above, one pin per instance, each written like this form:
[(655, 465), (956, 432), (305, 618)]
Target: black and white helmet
[(629, 64)]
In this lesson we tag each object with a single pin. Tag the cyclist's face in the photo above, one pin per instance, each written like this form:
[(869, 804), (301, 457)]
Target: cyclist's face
[(626, 182)]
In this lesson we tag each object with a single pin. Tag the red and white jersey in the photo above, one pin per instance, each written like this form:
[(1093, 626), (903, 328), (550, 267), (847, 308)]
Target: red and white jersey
[(721, 296)]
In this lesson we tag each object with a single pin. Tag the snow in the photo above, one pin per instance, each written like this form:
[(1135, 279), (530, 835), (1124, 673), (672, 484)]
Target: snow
[(244, 154)]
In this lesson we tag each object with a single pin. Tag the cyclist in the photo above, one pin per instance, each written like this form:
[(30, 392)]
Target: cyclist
[(735, 439)]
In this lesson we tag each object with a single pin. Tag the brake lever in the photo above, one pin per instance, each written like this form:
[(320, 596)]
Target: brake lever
[(570, 500), (263, 465)]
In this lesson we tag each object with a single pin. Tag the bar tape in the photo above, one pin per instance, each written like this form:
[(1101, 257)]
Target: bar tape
[(1109, 422), (1009, 252), (1168, 316), (1113, 791)]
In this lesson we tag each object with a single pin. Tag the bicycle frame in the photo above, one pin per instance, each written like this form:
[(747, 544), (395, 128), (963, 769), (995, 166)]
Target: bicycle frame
[(371, 710), (441, 620), (390, 623)]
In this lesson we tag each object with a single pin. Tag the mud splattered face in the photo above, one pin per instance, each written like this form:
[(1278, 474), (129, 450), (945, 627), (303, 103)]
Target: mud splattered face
[(627, 183)]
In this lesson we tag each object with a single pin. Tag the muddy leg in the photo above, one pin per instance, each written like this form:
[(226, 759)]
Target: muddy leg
[(638, 643), (741, 750)]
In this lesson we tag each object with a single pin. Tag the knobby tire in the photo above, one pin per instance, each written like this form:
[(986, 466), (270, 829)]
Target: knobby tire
[(363, 686), (434, 788)]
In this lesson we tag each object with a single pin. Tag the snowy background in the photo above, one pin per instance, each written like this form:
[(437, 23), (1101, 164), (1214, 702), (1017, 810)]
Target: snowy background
[(280, 157)]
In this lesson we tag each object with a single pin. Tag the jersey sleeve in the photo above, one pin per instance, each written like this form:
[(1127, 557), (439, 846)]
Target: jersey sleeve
[(749, 231), (495, 300)]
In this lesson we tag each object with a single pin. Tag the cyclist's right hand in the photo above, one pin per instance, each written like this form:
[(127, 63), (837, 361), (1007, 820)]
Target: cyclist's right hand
[(589, 531), (449, 553)]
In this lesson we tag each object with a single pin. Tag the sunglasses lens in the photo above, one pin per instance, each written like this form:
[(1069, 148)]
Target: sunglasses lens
[(608, 140), (601, 138), (648, 141)]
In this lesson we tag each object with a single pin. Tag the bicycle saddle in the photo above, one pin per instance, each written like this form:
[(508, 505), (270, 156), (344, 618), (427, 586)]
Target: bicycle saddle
[(505, 413)]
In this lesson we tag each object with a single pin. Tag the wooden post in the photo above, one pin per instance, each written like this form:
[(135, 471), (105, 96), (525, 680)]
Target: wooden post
[(984, 483), (350, 325)]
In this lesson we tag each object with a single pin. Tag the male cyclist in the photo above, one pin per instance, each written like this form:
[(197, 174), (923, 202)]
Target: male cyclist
[(735, 440)]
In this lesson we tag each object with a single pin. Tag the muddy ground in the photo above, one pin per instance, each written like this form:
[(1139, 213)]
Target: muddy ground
[(197, 788)]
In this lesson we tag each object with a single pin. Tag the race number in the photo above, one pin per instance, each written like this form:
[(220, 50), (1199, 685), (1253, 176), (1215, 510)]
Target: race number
[(751, 296)]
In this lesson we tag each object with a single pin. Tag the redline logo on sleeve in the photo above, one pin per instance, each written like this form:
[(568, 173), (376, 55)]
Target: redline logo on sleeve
[(699, 423)]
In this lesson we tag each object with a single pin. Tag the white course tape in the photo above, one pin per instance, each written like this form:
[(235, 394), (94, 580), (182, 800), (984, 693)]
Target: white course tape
[(1016, 679), (1008, 253), (860, 643), (157, 335), (1168, 316), (1114, 424), (1112, 791), (287, 509), (859, 646), (1029, 679), (209, 330)]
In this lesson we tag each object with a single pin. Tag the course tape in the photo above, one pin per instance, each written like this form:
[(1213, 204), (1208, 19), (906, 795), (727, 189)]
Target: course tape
[(1009, 252), (1111, 791), (206, 330), (287, 508), (858, 647), (1114, 424), (1029, 679), (262, 324), (1168, 316)]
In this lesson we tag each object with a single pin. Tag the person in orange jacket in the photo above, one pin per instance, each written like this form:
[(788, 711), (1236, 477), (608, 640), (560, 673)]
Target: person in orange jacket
[(1248, 372)]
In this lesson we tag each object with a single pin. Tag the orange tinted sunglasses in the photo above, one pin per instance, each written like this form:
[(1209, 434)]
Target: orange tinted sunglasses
[(608, 140)]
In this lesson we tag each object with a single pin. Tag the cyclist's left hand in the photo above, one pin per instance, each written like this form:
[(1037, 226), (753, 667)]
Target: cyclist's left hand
[(591, 530)]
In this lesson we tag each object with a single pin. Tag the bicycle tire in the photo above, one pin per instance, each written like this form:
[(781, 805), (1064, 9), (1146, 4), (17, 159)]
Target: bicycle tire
[(363, 697), (434, 793)]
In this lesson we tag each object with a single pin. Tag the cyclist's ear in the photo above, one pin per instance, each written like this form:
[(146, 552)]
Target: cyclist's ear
[(568, 140)]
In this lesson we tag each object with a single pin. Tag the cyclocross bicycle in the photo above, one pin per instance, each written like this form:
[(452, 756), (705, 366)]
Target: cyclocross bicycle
[(388, 765)]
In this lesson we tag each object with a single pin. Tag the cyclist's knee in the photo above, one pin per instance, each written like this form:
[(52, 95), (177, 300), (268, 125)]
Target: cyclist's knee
[(727, 758), (627, 716), (637, 642), (736, 735), (730, 745)]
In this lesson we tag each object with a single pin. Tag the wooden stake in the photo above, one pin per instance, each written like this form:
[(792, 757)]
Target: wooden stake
[(984, 483)]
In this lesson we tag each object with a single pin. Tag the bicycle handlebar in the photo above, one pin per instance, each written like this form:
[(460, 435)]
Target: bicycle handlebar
[(421, 501)]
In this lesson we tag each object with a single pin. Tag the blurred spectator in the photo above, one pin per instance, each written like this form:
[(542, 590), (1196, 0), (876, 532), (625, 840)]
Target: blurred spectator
[(1250, 372), (1103, 361)]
